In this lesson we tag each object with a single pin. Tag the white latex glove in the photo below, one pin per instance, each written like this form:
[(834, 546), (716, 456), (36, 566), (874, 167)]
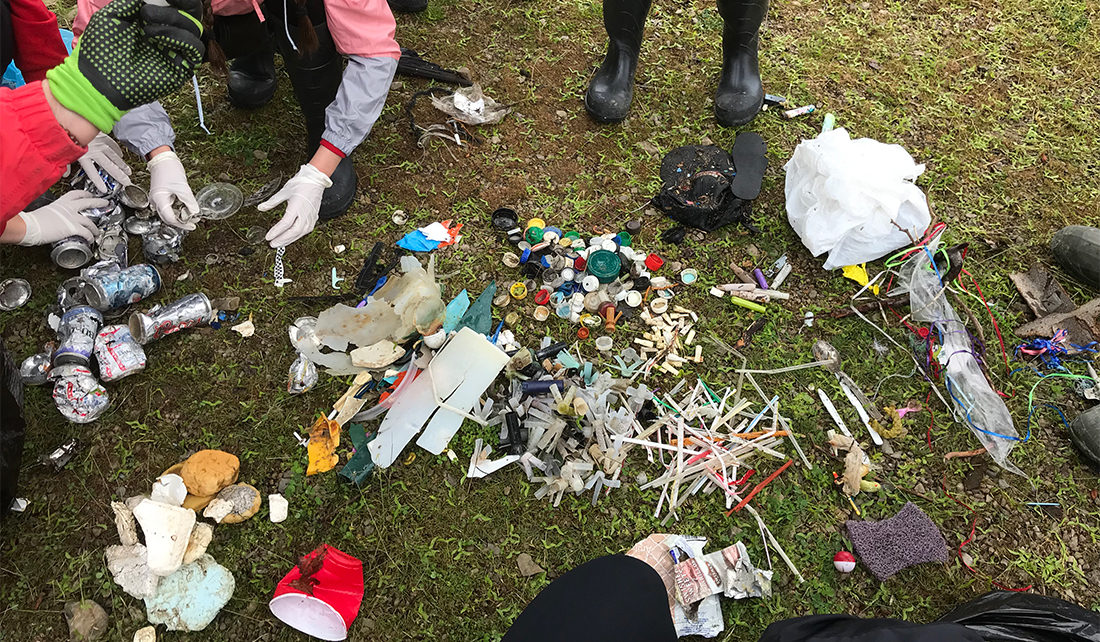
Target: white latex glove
[(104, 154), (62, 219), (302, 195), (168, 180)]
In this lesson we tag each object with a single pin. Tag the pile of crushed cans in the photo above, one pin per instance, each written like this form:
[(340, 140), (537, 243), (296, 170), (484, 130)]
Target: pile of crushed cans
[(595, 282), (90, 350)]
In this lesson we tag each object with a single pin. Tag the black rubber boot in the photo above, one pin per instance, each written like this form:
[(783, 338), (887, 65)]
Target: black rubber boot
[(316, 77), (740, 93), (408, 6), (612, 86), (246, 43), (252, 80)]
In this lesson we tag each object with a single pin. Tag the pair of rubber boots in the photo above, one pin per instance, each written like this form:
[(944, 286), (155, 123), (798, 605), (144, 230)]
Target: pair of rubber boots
[(316, 78), (740, 93)]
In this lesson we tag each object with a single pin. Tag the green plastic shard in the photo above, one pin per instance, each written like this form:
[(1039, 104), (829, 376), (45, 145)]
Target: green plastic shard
[(479, 317), (360, 465), (456, 309)]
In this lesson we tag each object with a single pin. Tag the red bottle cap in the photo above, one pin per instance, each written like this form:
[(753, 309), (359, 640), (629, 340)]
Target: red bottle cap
[(654, 262)]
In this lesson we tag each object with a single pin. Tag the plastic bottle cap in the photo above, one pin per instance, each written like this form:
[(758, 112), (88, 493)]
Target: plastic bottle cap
[(568, 274), (604, 344), (625, 239), (556, 298), (539, 246), (512, 319), (582, 333), (592, 302), (564, 310), (534, 234), (580, 263), (525, 255), (542, 297), (654, 262), (658, 305), (551, 234), (609, 244), (518, 290), (502, 300), (604, 265), (634, 298), (511, 259), (541, 313), (535, 222), (590, 283), (504, 219), (689, 276), (634, 226), (592, 320)]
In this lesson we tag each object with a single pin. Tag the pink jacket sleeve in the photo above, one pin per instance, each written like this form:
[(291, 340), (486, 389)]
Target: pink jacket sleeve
[(358, 27), (84, 11), (34, 149)]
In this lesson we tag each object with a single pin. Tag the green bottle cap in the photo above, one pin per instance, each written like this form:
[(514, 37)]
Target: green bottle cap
[(534, 234), (604, 265)]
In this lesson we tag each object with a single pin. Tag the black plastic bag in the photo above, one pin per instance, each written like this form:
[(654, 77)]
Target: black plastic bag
[(1002, 616)]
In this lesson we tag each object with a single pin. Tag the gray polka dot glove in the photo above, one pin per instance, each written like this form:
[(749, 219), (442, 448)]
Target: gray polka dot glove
[(131, 54)]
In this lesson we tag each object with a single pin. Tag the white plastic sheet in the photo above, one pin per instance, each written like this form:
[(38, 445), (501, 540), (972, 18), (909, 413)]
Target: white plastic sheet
[(854, 199)]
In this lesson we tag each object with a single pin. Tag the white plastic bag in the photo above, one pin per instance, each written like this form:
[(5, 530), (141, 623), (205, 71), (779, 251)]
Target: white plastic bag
[(854, 199)]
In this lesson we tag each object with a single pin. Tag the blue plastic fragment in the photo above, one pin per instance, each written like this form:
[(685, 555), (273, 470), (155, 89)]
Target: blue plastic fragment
[(455, 309), (479, 317), (568, 360), (589, 373), (416, 241)]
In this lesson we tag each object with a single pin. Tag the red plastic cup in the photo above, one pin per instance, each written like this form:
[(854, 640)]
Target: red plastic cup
[(334, 605)]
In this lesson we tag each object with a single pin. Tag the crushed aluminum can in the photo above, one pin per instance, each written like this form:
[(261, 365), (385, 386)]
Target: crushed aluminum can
[(71, 253), (117, 354), (302, 376), (76, 336), (59, 457), (80, 398), (34, 369), (14, 293), (112, 246), (70, 294), (140, 226), (134, 197), (162, 245), (190, 311), (117, 288)]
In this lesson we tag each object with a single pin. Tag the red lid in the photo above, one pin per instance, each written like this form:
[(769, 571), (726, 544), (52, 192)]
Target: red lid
[(579, 263), (542, 296), (337, 592), (582, 333), (654, 262)]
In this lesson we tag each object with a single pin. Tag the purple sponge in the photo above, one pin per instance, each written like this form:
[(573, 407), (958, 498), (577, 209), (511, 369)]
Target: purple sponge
[(905, 539)]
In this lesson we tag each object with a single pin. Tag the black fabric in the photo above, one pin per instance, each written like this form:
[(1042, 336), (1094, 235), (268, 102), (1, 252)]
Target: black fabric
[(697, 187), (241, 35), (12, 428), (608, 599), (7, 36), (1003, 616), (845, 628)]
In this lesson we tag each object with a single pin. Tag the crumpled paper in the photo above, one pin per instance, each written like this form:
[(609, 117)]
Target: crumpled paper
[(470, 105), (324, 439)]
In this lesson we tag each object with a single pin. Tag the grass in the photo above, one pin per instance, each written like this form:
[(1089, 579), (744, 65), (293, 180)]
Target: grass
[(996, 98)]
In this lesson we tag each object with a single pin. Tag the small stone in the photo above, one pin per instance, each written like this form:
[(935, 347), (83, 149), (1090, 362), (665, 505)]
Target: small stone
[(752, 251), (919, 489), (561, 113), (201, 535), (259, 154), (190, 598), (86, 619), (493, 549), (147, 634), (278, 508), (208, 471), (527, 566)]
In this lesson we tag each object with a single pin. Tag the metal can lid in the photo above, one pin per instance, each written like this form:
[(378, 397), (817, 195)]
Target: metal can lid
[(511, 259), (518, 290), (604, 265), (689, 276), (634, 298), (590, 283), (541, 313), (14, 293)]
